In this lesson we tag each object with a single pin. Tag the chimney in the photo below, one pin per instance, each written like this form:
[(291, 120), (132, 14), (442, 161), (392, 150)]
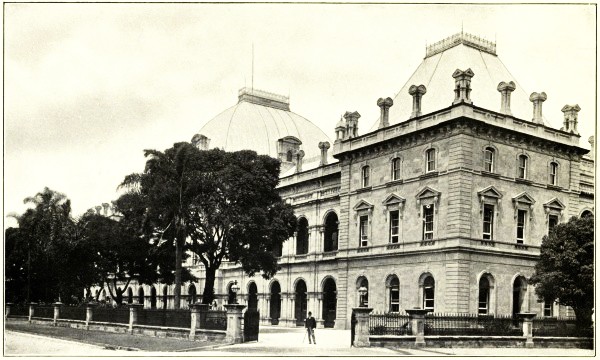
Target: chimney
[(462, 86), (299, 156), (537, 100), (417, 93), (105, 207), (324, 146), (505, 89), (591, 154), (570, 122), (384, 105), (98, 209), (351, 124), (340, 130), (200, 141)]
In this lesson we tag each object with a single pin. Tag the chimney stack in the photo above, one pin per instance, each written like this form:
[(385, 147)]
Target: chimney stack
[(98, 209), (299, 157), (570, 122), (591, 154), (324, 146), (384, 105), (340, 130), (417, 93), (462, 86), (505, 89), (105, 207), (351, 124), (537, 100)]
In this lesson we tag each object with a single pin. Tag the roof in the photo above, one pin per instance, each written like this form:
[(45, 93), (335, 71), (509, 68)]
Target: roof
[(461, 51), (257, 121)]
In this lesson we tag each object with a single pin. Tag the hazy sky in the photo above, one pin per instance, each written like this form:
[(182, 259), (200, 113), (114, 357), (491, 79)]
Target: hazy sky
[(89, 86)]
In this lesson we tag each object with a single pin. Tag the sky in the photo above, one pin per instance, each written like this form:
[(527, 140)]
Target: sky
[(88, 87)]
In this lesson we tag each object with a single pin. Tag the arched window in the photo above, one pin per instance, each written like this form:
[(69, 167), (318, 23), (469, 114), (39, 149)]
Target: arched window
[(489, 159), (289, 156), (152, 298), (553, 174), (141, 295), (366, 172), (231, 296), (428, 292), (523, 165), (483, 306), (330, 242), (302, 237), (394, 294), (586, 213), (519, 293), (363, 300), (275, 303), (430, 160), (396, 169)]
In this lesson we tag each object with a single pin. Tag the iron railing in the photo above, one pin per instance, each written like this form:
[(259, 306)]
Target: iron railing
[(161, 317), (215, 320), (46, 312), (72, 312), (118, 315), (473, 324), (562, 327), (19, 310), (389, 324)]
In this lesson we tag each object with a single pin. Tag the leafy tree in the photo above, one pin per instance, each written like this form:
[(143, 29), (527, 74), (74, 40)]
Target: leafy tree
[(565, 270), (224, 203)]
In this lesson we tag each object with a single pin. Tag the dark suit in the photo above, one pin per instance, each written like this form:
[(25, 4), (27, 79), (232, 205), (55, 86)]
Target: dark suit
[(310, 324)]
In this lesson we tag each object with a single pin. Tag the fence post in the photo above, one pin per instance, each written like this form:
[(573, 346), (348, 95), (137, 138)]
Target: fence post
[(234, 323), (56, 313), (7, 313), (198, 318), (89, 314), (31, 310), (417, 322), (361, 333), (133, 315), (528, 328)]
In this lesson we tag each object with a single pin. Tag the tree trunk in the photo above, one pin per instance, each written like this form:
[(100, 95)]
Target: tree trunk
[(209, 286), (583, 317), (178, 264)]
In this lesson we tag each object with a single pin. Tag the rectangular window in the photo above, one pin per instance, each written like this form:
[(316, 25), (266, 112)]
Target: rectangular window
[(365, 176), (553, 171), (396, 169), (430, 159), (552, 222), (428, 222), (364, 231), (521, 219), (394, 299), (522, 167), (488, 221), (484, 296), (489, 160), (428, 299), (394, 226), (548, 308)]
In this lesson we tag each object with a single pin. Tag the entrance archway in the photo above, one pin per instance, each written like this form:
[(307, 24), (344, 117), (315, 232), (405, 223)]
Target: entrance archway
[(252, 296), (275, 303), (300, 303), (329, 302)]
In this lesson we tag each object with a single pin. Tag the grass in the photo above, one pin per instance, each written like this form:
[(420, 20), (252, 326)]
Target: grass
[(107, 339)]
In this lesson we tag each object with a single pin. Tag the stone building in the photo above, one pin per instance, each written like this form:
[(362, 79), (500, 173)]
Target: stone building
[(442, 204)]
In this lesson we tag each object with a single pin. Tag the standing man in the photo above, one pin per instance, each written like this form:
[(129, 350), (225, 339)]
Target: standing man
[(310, 324)]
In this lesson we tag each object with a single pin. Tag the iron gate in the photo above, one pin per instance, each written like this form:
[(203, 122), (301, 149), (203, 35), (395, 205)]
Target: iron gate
[(251, 322)]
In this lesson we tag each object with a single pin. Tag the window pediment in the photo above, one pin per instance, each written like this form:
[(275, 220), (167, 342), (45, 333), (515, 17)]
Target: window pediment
[(393, 199), (427, 192), (554, 204), (523, 199), (362, 205), (490, 192)]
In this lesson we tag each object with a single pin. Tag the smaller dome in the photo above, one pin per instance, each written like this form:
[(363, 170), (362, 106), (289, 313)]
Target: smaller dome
[(258, 121)]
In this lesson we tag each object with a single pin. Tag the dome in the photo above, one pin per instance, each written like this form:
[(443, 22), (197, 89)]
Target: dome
[(257, 122)]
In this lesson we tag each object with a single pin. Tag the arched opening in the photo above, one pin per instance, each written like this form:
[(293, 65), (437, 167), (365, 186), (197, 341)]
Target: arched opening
[(129, 296), (141, 295), (302, 237), (519, 293), (165, 297), (275, 303), (429, 293), (252, 296), (586, 213), (483, 305), (330, 241), (329, 302), (393, 292), (192, 294), (363, 300), (300, 302), (152, 298)]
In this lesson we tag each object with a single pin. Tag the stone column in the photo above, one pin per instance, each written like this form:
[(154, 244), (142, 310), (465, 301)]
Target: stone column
[(7, 310), (198, 318), (537, 99), (89, 314), (133, 315), (57, 306), (417, 322), (361, 334), (32, 306), (528, 328), (234, 323), (319, 310)]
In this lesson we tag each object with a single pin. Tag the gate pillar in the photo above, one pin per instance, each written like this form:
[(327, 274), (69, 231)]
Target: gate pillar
[(234, 323), (361, 335)]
